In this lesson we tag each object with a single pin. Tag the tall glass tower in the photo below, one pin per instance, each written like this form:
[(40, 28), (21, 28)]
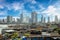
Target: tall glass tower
[(9, 19), (42, 19), (21, 17), (48, 19), (56, 19), (34, 17)]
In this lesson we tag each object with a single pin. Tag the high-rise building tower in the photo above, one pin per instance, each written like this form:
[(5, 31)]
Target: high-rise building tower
[(56, 19), (48, 19), (26, 19), (3, 20), (34, 17), (42, 18), (21, 17), (30, 21), (9, 19)]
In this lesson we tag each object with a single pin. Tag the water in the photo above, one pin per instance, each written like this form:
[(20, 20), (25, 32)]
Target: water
[(3, 27), (37, 38)]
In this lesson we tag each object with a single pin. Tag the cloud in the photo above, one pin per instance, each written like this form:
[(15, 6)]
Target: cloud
[(41, 6), (3, 13), (33, 2), (2, 17), (52, 11), (1, 6), (9, 7), (32, 7), (25, 13), (49, 10), (30, 1), (57, 4), (1, 1), (17, 6)]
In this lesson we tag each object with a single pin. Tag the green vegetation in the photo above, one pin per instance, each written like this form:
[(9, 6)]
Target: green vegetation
[(14, 35), (57, 29), (53, 26)]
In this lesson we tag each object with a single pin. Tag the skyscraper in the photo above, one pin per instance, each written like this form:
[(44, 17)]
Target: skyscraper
[(48, 19), (21, 17), (42, 19), (9, 19), (26, 19), (34, 17), (56, 19), (18, 20)]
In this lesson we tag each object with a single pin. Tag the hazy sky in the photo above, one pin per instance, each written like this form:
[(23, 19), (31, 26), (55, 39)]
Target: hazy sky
[(44, 7)]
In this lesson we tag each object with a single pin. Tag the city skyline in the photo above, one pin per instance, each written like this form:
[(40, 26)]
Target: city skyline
[(27, 19), (41, 7)]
